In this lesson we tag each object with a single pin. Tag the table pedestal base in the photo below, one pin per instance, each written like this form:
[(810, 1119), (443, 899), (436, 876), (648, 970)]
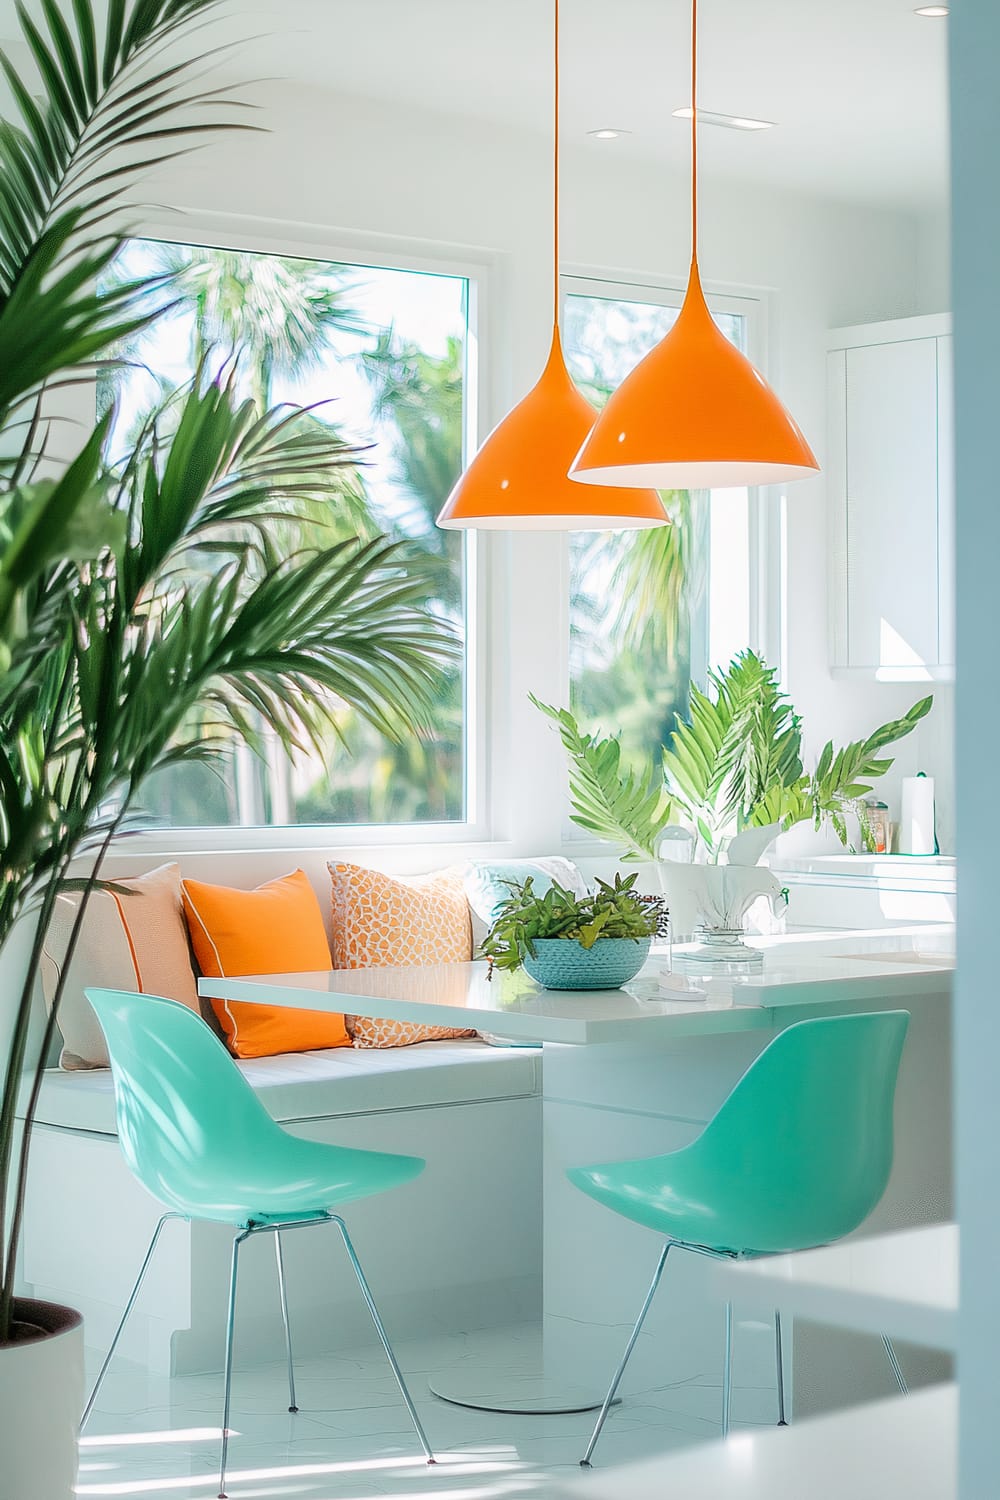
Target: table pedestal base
[(528, 1394)]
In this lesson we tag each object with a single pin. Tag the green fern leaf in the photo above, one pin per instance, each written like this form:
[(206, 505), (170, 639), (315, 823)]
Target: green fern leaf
[(623, 807)]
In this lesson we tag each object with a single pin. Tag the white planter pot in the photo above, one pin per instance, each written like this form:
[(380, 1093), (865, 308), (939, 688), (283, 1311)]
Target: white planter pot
[(41, 1398), (713, 895)]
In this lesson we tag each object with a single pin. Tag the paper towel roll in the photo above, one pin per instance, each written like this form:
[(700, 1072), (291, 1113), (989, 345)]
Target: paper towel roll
[(916, 825)]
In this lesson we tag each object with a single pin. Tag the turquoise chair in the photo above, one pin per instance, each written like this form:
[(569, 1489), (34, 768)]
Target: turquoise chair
[(797, 1156), (197, 1137)]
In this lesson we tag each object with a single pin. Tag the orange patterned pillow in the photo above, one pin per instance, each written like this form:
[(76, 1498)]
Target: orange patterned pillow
[(382, 922)]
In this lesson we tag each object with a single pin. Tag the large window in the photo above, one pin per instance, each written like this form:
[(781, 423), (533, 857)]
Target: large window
[(650, 611), (379, 354)]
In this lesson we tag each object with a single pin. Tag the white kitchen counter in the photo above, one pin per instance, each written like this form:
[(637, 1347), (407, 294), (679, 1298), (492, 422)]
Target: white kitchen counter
[(854, 890), (894, 871), (903, 1449), (903, 1284)]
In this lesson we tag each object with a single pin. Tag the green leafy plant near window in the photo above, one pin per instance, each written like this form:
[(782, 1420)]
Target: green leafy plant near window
[(614, 910), (734, 764)]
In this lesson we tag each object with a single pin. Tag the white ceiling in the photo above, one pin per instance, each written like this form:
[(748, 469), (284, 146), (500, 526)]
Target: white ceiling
[(856, 87)]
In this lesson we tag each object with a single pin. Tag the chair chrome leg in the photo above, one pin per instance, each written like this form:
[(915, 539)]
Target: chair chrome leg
[(230, 1326), (616, 1378), (380, 1329), (727, 1373), (782, 1422), (894, 1362), (292, 1404), (125, 1317)]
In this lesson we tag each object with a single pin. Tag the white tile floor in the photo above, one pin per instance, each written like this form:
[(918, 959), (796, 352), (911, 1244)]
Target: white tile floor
[(351, 1438)]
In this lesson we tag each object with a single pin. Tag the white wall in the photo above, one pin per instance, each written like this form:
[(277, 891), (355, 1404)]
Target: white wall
[(350, 168), (934, 261)]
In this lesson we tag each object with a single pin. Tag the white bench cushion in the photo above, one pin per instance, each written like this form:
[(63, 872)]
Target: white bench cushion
[(323, 1085)]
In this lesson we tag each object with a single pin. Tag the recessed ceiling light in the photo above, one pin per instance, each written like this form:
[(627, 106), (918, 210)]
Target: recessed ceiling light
[(729, 122), (608, 133), (932, 10)]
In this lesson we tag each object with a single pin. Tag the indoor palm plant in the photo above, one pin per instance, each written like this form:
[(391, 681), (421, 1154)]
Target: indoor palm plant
[(732, 778), (733, 765), (152, 612)]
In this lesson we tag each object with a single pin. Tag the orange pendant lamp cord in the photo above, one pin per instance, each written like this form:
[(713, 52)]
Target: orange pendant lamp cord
[(555, 168), (694, 132), (694, 413)]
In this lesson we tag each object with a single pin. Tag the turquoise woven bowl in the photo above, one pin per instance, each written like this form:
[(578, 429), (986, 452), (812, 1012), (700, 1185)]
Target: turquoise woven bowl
[(562, 964)]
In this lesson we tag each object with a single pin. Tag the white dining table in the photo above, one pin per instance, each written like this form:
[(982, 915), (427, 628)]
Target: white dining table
[(901, 1449), (903, 1284), (819, 971), (508, 1005), (630, 1072)]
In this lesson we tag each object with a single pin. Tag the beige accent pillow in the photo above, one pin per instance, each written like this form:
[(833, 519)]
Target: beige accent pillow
[(379, 921), (134, 941)]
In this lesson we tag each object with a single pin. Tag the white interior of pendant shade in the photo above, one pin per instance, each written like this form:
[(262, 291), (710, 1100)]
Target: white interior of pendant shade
[(706, 474)]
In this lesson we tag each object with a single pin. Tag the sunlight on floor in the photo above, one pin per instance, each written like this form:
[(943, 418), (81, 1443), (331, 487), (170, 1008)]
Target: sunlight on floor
[(351, 1438)]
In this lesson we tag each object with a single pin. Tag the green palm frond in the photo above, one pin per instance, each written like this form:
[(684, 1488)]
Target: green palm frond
[(212, 472), (274, 315), (92, 110), (41, 524), (735, 749), (97, 117), (843, 777), (409, 385), (52, 323), (421, 394), (735, 763), (286, 637), (608, 801), (650, 581)]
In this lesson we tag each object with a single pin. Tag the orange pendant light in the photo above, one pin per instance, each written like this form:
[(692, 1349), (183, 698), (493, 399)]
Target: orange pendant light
[(695, 413), (518, 481)]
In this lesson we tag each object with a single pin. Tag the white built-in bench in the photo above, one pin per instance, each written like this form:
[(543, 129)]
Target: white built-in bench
[(458, 1248), (296, 1087)]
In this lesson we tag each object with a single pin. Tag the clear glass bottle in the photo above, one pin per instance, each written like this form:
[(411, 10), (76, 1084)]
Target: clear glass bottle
[(876, 815)]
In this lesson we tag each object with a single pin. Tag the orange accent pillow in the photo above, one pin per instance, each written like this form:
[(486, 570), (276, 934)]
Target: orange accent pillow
[(381, 922), (275, 929)]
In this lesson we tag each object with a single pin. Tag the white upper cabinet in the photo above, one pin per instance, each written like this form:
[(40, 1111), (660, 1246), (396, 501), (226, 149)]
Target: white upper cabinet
[(891, 500)]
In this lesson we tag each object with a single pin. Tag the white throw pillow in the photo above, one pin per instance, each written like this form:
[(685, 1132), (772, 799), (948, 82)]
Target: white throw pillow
[(486, 884), (132, 939)]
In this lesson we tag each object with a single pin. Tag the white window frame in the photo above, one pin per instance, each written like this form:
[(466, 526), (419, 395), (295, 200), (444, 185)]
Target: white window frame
[(315, 242)]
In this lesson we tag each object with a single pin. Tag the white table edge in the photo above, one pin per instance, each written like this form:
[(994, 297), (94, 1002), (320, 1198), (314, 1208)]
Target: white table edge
[(867, 1444), (764, 1285), (693, 1019)]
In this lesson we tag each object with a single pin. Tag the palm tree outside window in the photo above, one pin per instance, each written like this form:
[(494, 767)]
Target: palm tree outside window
[(378, 354)]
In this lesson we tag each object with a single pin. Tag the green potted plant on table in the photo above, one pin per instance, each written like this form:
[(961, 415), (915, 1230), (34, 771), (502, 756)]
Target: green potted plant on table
[(154, 611), (566, 942), (732, 778)]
